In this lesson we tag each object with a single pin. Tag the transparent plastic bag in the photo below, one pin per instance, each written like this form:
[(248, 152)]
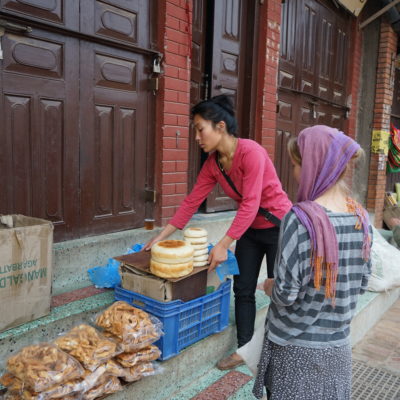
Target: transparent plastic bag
[(150, 353), (133, 327), (107, 385), (42, 366), (88, 346), (134, 373)]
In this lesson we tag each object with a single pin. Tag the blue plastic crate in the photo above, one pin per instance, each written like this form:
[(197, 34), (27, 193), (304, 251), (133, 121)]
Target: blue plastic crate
[(184, 323)]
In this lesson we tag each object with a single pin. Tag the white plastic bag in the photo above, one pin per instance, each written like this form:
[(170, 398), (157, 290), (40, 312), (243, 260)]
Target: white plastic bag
[(251, 351), (385, 265)]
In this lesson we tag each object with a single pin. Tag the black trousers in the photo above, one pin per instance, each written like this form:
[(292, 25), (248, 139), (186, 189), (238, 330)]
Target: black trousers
[(250, 251)]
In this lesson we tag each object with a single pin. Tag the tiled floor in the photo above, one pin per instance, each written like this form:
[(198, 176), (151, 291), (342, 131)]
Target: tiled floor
[(376, 368), (380, 348)]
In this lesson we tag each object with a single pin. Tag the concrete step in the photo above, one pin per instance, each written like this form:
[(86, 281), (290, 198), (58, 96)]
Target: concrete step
[(73, 258)]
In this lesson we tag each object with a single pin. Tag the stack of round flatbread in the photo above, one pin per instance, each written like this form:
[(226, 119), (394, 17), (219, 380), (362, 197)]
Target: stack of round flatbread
[(171, 259), (198, 239)]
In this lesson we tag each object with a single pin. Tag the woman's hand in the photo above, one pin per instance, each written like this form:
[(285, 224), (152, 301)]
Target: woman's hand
[(268, 285), (152, 241), (219, 253), (168, 230)]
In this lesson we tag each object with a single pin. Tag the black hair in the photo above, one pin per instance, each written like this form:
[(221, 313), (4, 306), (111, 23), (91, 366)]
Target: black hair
[(218, 108)]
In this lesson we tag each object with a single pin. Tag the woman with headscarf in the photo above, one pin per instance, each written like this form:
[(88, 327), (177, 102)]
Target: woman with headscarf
[(322, 266)]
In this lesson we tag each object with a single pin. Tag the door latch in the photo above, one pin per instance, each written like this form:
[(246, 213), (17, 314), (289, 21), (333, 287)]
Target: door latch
[(14, 26), (150, 195), (157, 65), (2, 32)]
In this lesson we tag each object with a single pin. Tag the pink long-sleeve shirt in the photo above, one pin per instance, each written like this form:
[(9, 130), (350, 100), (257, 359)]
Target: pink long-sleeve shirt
[(254, 176)]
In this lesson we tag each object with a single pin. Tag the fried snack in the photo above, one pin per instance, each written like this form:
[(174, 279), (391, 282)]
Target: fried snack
[(88, 346), (131, 374), (107, 385), (131, 359), (131, 326), (7, 379), (42, 366), (141, 341)]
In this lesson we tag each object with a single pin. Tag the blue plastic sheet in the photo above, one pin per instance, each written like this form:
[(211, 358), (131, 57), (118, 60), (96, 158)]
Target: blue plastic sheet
[(228, 267), (107, 276)]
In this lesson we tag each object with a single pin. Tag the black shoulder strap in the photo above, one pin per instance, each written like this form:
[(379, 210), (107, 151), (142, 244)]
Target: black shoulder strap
[(264, 212)]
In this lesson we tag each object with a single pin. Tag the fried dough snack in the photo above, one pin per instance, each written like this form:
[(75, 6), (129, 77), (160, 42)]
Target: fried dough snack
[(131, 374), (107, 385), (42, 366), (88, 346), (131, 359), (7, 379)]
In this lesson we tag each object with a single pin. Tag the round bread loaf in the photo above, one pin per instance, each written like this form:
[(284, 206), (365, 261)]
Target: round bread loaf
[(196, 240), (198, 246), (171, 259), (164, 270), (193, 232), (199, 263), (172, 251), (200, 252), (203, 257)]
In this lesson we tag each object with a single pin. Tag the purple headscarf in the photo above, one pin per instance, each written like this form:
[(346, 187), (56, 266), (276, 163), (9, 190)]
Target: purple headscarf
[(325, 153)]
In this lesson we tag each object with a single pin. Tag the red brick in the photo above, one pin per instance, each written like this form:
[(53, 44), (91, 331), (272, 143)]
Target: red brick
[(183, 120), (168, 189), (176, 108), (171, 95), (172, 22), (176, 36), (168, 166), (181, 188), (183, 97), (170, 119), (174, 155), (177, 177), (176, 11), (176, 84), (171, 47), (182, 166), (167, 212), (176, 60), (169, 143), (172, 200)]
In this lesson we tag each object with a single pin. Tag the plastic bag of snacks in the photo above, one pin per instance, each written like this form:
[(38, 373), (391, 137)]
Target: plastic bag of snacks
[(17, 389), (150, 353), (43, 366), (107, 384), (88, 346), (134, 373), (132, 327)]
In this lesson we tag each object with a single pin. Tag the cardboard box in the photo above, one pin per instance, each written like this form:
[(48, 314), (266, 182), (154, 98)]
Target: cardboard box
[(26, 250), (136, 277)]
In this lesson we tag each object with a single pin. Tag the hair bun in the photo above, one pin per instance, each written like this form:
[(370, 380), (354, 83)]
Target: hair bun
[(225, 102)]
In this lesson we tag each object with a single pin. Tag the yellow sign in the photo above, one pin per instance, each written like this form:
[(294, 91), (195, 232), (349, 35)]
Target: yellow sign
[(354, 6), (380, 142)]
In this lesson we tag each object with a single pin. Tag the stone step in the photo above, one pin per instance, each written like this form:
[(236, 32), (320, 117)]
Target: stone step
[(73, 258)]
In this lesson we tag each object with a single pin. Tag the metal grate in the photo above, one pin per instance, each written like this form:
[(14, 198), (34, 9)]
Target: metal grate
[(374, 384)]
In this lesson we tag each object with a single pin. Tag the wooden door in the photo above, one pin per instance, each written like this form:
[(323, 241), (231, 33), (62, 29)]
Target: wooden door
[(75, 112), (39, 122), (312, 74), (230, 49)]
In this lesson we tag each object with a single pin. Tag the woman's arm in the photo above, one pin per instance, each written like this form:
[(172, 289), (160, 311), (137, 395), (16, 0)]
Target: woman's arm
[(167, 231)]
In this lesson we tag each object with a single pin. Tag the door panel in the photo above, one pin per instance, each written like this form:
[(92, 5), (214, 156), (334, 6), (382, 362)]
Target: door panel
[(39, 132), (311, 83), (60, 12), (114, 124), (126, 20), (230, 17), (198, 83)]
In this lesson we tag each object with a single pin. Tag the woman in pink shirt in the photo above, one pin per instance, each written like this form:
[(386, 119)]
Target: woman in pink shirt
[(256, 186)]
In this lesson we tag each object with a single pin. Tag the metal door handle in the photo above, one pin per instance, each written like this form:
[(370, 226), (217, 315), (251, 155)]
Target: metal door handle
[(14, 26)]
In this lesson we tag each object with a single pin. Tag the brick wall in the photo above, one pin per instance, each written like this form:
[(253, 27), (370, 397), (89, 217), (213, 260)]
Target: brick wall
[(382, 109), (172, 119), (268, 56)]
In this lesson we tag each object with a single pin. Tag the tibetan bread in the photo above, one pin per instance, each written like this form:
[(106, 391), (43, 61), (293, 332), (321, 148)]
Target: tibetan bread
[(171, 259), (198, 239)]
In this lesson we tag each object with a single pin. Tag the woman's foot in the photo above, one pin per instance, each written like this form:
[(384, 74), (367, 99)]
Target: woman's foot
[(230, 362)]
